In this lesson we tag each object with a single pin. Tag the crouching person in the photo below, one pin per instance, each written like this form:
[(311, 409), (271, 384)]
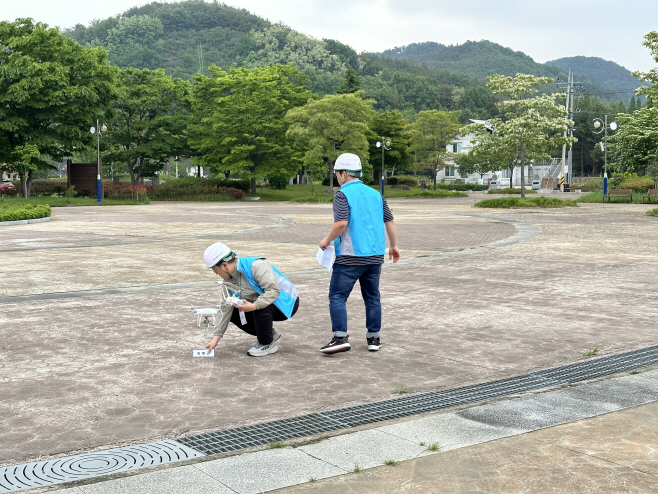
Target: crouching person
[(268, 296)]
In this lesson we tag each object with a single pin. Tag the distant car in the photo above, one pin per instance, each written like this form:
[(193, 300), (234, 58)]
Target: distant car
[(6, 187)]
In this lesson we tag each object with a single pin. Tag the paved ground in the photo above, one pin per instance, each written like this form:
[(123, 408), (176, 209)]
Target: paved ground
[(82, 370), (596, 437)]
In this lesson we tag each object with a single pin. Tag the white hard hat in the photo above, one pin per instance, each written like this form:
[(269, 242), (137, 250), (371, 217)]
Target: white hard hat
[(348, 162), (217, 252)]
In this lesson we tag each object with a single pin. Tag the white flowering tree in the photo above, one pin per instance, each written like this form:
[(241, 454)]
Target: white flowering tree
[(277, 45), (651, 42), (532, 124)]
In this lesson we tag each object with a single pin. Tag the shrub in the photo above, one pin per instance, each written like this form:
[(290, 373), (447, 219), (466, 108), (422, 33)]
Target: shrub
[(27, 212), (6, 191), (640, 184), (527, 202), (435, 193), (278, 182), (191, 191), (591, 185), (511, 191), (244, 185), (403, 180), (125, 191), (462, 187)]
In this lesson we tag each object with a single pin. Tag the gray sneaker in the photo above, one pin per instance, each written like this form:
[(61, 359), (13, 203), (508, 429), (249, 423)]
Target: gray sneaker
[(259, 350)]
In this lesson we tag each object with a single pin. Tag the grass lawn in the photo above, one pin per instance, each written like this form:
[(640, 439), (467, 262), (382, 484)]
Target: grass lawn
[(511, 191), (55, 202), (528, 202), (597, 196)]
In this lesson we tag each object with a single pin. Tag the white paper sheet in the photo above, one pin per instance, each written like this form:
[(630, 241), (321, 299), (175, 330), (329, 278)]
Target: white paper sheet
[(202, 353), (326, 257)]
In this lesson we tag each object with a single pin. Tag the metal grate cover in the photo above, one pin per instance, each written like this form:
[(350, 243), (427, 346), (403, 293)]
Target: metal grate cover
[(370, 413), (89, 465)]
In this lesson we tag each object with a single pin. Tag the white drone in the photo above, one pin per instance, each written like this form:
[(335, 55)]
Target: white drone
[(228, 295)]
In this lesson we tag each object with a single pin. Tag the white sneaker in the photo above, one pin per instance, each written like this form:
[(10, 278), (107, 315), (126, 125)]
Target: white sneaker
[(275, 337), (259, 350)]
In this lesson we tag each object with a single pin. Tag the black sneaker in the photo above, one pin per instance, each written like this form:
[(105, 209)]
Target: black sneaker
[(337, 345), (373, 343)]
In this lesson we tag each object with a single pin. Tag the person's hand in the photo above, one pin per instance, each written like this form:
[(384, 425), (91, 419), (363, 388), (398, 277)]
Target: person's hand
[(324, 243), (394, 253), (213, 343), (247, 306)]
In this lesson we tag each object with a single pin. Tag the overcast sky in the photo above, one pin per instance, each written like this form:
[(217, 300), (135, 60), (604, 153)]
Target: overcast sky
[(545, 30)]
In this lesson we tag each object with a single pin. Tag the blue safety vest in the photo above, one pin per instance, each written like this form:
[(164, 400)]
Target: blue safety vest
[(287, 292), (365, 232)]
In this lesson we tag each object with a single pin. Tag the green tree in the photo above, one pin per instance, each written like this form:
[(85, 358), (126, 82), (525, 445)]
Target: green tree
[(351, 84), (634, 146), (281, 45), (147, 121), (24, 165), (330, 126), (532, 124), (651, 42), (478, 162), (430, 134), (136, 42), (237, 120), (51, 90), (390, 125)]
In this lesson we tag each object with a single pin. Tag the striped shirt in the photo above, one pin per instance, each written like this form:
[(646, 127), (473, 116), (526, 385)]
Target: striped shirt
[(342, 213)]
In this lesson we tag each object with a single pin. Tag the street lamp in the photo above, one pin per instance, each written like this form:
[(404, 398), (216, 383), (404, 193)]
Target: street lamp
[(97, 130), (612, 126), (385, 144)]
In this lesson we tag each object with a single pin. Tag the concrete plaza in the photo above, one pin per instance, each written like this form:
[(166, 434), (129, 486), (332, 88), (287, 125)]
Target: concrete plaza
[(96, 347)]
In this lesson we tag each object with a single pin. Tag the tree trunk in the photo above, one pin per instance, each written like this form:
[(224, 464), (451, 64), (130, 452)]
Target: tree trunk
[(28, 187), (522, 147), (131, 170), (253, 180), (24, 190), (435, 171)]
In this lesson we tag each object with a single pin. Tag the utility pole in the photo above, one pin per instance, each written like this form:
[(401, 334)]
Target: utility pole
[(567, 163), (564, 146)]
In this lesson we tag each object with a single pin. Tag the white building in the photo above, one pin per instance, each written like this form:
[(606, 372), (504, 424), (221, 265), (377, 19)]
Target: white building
[(462, 144)]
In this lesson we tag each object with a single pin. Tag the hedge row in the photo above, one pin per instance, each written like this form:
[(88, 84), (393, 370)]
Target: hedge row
[(27, 212), (169, 192), (461, 187)]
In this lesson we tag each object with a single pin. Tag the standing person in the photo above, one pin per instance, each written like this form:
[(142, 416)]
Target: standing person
[(267, 296), (361, 216)]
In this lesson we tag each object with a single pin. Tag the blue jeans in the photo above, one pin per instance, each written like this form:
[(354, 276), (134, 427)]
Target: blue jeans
[(343, 279)]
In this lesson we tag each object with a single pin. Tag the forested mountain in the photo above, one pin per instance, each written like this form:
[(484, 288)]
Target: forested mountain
[(608, 74), (175, 36), (186, 37), (484, 58)]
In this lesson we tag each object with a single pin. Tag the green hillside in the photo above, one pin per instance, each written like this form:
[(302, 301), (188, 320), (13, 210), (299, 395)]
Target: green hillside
[(608, 74), (484, 58), (175, 36), (186, 37)]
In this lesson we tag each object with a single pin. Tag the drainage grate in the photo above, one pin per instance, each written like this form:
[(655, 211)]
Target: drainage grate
[(89, 465), (260, 434), (370, 413)]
